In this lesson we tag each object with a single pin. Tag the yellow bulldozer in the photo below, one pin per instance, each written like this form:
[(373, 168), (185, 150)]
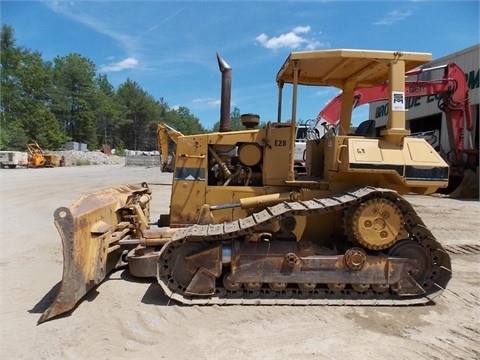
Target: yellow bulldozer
[(245, 228)]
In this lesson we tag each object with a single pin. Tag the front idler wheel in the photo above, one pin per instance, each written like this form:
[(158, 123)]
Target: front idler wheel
[(422, 261)]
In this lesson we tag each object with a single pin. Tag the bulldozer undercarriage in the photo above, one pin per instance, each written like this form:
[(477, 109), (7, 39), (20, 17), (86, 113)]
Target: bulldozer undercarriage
[(391, 258)]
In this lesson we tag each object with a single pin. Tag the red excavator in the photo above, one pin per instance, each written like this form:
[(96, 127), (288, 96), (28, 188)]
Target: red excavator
[(454, 102)]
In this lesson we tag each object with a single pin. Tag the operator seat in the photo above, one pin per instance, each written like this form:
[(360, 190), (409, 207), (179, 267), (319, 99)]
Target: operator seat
[(366, 128)]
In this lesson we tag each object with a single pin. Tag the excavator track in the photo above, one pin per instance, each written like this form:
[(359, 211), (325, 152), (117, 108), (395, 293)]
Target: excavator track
[(436, 260)]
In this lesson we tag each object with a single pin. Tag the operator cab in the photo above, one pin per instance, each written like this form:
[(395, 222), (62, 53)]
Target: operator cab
[(397, 162)]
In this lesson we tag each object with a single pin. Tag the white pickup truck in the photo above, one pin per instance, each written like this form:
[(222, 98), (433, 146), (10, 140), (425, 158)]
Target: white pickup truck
[(300, 146), (12, 159)]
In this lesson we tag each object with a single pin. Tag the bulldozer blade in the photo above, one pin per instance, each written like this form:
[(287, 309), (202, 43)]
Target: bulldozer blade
[(90, 231)]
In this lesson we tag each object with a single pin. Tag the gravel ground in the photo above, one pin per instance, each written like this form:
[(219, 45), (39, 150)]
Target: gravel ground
[(126, 318)]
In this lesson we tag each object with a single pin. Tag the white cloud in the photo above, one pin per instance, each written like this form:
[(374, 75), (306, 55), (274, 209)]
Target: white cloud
[(216, 102), (80, 14), (128, 63), (301, 29), (292, 39), (207, 101), (393, 17), (328, 92), (100, 25)]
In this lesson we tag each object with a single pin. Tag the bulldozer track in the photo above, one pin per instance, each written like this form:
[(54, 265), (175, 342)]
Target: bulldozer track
[(434, 284)]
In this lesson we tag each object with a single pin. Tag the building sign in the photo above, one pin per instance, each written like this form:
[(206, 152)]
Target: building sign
[(410, 102)]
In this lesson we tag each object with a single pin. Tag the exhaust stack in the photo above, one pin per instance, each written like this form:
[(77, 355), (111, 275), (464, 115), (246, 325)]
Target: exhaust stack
[(226, 71)]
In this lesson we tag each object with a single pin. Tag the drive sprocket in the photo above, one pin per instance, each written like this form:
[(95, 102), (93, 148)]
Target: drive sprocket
[(376, 223)]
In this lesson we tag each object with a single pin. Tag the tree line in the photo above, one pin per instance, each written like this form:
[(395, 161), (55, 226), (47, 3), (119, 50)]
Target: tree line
[(53, 102)]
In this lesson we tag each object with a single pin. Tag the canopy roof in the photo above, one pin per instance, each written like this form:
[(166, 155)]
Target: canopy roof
[(336, 67)]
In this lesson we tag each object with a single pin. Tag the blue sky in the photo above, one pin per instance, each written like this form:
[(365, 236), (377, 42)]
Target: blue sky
[(169, 47)]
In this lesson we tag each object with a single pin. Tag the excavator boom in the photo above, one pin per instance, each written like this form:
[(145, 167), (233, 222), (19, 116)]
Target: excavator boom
[(453, 88)]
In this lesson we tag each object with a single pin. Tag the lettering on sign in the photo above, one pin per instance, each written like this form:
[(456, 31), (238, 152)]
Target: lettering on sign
[(473, 79)]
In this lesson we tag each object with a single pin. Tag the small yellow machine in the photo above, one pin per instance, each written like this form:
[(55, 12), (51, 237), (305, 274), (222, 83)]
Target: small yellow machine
[(245, 228), (38, 158)]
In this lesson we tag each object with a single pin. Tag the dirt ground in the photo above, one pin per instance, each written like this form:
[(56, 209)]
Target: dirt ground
[(127, 319)]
